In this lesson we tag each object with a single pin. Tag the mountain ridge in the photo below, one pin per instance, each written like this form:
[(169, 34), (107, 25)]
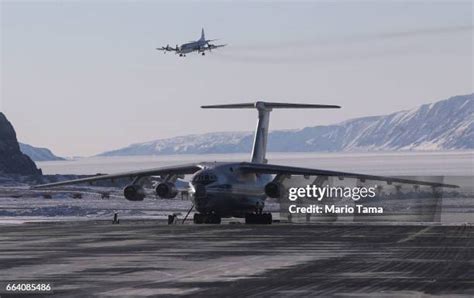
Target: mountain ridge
[(38, 153), (443, 125)]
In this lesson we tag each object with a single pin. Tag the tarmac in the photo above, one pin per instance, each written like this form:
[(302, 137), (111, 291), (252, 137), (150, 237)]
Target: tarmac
[(150, 258)]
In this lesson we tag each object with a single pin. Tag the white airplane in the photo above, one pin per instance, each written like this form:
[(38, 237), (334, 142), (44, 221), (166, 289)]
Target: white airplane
[(201, 46), (233, 189)]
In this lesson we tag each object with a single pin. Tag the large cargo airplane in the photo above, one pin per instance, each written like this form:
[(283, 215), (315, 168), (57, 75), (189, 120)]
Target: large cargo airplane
[(201, 46), (233, 189)]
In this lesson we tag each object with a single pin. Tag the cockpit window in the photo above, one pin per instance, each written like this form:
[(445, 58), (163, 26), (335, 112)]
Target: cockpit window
[(205, 178)]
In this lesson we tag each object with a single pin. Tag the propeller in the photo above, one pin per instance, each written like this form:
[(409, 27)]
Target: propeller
[(168, 48), (210, 45), (164, 49)]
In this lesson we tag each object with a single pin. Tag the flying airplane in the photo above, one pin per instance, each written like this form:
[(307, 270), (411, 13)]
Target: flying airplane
[(233, 189), (201, 46)]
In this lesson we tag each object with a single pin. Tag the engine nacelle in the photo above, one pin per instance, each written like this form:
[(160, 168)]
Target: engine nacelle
[(134, 192), (166, 190), (274, 190)]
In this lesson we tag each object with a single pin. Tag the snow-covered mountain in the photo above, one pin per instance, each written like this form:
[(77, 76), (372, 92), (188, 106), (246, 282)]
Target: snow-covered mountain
[(38, 154), (444, 125)]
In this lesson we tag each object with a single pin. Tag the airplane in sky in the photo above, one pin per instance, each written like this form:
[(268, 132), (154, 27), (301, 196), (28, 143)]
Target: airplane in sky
[(233, 189), (201, 46)]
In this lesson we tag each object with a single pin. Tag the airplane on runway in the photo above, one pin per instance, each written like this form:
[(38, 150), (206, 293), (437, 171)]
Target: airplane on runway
[(201, 46), (233, 189)]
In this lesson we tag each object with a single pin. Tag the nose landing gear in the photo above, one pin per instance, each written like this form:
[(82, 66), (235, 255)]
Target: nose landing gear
[(206, 218)]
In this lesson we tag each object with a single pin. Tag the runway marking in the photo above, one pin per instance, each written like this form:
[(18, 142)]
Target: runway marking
[(413, 236)]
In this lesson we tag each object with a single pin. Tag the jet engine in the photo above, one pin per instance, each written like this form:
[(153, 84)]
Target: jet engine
[(134, 192), (274, 190), (166, 190)]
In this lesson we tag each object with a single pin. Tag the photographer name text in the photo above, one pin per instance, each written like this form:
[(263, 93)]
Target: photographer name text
[(318, 194)]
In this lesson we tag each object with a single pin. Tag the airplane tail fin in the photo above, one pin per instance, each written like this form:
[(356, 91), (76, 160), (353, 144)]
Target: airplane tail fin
[(264, 109), (203, 37)]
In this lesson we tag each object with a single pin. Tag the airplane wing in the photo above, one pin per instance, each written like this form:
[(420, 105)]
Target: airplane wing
[(179, 170), (278, 169), (168, 49), (213, 46)]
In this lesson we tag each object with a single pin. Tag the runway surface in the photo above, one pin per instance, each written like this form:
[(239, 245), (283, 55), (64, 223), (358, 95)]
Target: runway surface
[(149, 258)]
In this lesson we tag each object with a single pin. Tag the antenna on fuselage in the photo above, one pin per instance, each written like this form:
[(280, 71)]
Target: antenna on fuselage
[(264, 108)]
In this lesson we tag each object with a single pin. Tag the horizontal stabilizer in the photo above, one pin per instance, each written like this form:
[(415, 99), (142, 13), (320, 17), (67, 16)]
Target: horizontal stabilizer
[(231, 106), (270, 105)]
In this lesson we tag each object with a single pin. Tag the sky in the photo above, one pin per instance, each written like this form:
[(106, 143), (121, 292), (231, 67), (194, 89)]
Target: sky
[(83, 77)]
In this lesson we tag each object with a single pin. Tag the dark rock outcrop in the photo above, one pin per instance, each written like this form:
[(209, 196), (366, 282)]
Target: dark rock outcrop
[(12, 160)]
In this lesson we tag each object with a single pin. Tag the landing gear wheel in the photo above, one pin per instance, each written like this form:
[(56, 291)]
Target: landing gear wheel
[(206, 218), (256, 219), (213, 219), (203, 54), (198, 218)]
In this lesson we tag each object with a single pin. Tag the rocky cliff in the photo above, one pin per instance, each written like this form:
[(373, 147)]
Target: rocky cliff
[(12, 160)]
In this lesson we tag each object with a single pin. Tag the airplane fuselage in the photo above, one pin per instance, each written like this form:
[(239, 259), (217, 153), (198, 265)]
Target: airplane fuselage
[(191, 47), (223, 189)]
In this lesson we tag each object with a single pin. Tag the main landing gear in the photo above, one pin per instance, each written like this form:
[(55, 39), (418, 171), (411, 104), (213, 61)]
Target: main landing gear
[(203, 54), (211, 218), (258, 218)]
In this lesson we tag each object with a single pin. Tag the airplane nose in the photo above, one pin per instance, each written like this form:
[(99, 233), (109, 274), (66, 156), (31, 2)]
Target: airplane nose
[(200, 191)]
